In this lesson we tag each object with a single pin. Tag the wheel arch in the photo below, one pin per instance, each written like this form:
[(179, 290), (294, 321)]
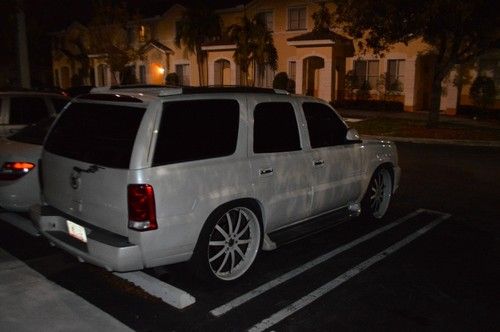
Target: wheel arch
[(247, 202)]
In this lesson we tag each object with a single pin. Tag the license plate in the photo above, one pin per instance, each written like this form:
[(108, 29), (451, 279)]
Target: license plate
[(76, 231)]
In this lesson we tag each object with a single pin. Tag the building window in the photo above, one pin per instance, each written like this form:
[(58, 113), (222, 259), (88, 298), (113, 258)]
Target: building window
[(366, 73), (142, 33), (183, 74), (142, 74), (395, 75), (292, 70), (297, 18), (267, 18)]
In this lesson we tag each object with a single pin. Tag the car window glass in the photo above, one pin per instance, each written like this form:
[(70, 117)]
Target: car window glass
[(197, 129), (24, 110), (324, 126), (275, 128), (59, 103), (33, 134), (100, 134)]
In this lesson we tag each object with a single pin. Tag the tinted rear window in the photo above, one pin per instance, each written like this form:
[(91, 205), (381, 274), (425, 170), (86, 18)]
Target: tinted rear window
[(197, 129), (33, 134), (97, 134)]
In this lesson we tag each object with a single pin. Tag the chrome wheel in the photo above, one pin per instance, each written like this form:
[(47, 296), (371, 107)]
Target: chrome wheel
[(380, 193), (234, 243)]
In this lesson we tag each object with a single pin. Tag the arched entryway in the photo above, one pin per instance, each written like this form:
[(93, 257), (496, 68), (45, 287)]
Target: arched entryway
[(311, 75), (222, 72)]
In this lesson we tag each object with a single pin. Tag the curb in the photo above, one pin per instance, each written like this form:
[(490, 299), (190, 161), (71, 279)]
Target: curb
[(435, 141)]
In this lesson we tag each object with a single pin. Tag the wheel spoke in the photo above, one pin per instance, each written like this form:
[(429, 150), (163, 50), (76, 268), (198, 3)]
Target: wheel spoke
[(233, 262), (223, 262), (229, 222), (217, 243), (244, 241), (238, 223), (223, 232), (238, 250), (244, 230), (217, 255)]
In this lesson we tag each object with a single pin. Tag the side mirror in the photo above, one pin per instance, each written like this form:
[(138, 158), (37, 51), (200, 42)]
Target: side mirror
[(352, 135)]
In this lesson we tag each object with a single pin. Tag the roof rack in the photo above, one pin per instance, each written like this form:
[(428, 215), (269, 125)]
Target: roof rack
[(169, 91)]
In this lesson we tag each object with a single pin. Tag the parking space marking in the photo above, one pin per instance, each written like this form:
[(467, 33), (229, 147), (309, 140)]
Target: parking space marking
[(174, 296), (319, 292), (219, 311)]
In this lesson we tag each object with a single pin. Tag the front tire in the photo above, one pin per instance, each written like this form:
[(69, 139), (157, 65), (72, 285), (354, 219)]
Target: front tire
[(228, 245), (376, 201)]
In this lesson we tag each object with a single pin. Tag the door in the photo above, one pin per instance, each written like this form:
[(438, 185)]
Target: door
[(336, 162), (280, 172)]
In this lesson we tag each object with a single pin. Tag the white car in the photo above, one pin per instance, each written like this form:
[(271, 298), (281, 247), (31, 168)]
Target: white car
[(136, 178), (19, 188), (21, 108)]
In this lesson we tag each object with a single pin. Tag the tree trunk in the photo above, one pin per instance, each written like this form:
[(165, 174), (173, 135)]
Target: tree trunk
[(435, 104)]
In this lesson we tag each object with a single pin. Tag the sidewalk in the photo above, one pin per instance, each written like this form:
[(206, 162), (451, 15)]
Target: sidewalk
[(422, 116), (30, 302), (360, 114)]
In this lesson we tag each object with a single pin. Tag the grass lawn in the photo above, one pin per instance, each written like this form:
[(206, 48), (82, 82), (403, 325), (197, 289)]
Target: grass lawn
[(417, 128)]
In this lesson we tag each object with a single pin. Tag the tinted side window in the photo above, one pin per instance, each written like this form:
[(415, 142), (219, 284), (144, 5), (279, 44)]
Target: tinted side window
[(275, 128), (59, 103), (33, 134), (197, 129), (325, 127), (24, 110), (96, 133)]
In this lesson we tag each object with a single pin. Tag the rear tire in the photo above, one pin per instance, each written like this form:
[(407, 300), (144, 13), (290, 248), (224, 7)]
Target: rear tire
[(228, 245), (376, 201)]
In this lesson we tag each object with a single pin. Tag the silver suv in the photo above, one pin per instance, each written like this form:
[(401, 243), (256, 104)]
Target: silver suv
[(141, 178)]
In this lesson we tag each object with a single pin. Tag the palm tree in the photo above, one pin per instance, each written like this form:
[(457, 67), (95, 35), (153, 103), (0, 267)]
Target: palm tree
[(254, 45), (198, 25)]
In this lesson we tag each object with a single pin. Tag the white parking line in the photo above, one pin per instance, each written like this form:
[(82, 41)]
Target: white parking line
[(316, 294), (219, 311), (169, 294)]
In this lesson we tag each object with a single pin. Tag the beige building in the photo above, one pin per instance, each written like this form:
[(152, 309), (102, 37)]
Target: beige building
[(319, 63)]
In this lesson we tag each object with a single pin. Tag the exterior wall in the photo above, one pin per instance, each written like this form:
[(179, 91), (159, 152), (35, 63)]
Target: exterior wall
[(328, 81)]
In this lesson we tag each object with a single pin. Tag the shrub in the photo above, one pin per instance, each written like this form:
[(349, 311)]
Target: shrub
[(482, 91), (172, 79), (280, 81)]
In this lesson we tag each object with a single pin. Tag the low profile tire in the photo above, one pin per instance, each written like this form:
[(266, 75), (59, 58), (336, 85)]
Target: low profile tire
[(378, 195), (228, 245)]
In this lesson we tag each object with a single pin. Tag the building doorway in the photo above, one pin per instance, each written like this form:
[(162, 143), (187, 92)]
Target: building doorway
[(222, 72), (311, 75)]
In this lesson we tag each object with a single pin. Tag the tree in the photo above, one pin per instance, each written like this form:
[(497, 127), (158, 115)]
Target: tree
[(322, 18), (254, 45), (457, 31), (482, 92), (108, 35), (199, 24)]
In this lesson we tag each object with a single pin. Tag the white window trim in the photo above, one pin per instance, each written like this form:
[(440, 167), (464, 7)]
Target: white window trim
[(287, 24)]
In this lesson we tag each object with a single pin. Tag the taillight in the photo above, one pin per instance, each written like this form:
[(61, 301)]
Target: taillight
[(13, 170), (141, 207)]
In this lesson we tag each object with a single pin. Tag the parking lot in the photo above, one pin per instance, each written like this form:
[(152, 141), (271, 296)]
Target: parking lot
[(431, 265)]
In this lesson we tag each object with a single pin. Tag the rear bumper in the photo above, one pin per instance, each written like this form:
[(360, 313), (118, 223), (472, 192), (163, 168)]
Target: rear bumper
[(103, 248)]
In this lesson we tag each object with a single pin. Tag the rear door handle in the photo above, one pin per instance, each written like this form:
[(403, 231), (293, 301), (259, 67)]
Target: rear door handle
[(319, 162), (267, 171)]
